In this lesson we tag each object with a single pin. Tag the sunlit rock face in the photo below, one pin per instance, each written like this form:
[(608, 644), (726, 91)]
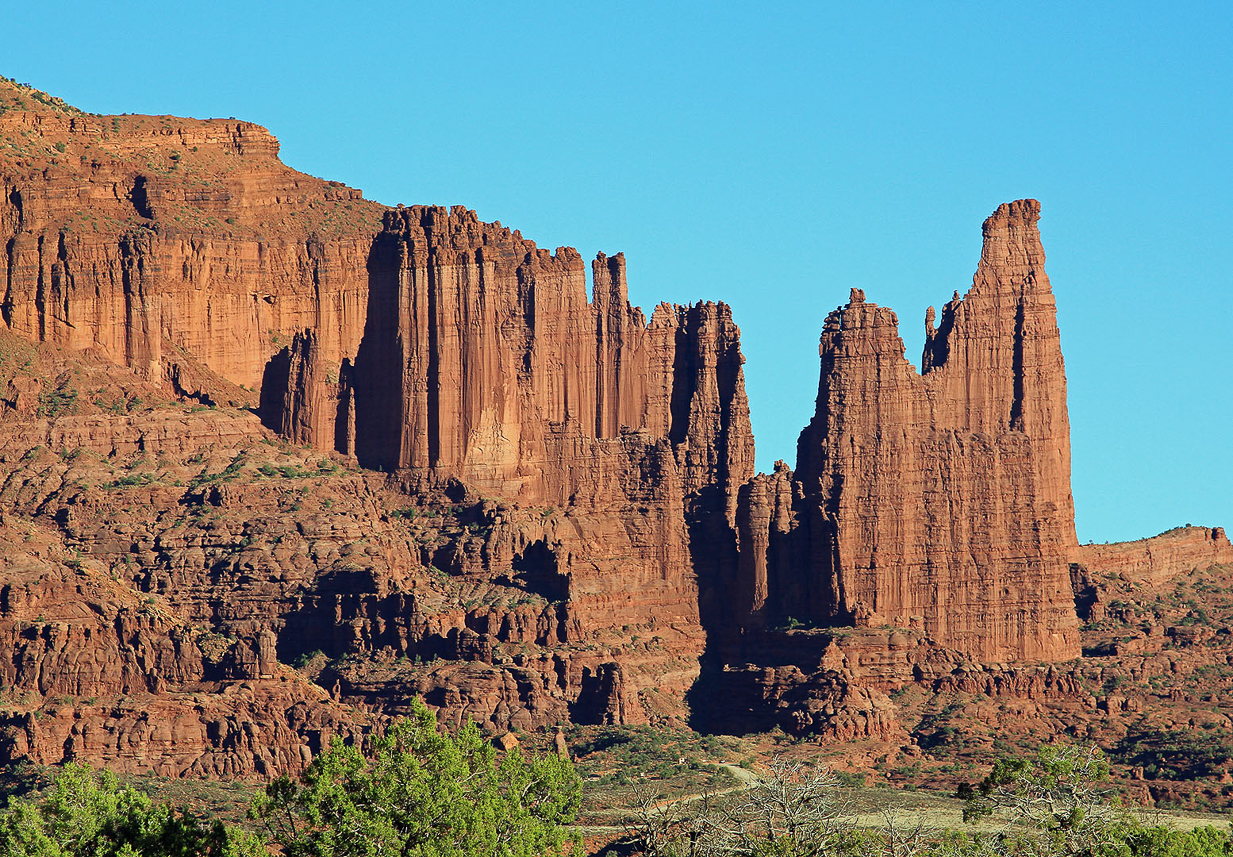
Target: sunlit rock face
[(448, 471), (938, 501)]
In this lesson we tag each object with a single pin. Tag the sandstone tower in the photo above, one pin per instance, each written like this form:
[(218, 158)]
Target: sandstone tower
[(937, 500)]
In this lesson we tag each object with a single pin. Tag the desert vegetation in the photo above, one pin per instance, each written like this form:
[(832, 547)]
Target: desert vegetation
[(417, 790)]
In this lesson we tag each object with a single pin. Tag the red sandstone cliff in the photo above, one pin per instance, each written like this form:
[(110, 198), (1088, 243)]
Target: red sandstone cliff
[(450, 350), (483, 361), (159, 242), (1159, 559), (125, 233), (513, 381), (570, 516)]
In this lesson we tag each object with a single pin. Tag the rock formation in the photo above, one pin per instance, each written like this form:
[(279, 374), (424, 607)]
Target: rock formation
[(252, 420), (1161, 558), (125, 233), (940, 500), (450, 352), (510, 376), (128, 684)]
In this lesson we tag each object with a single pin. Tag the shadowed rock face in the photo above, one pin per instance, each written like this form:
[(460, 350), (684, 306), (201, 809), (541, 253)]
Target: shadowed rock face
[(566, 448), (482, 361), (937, 501)]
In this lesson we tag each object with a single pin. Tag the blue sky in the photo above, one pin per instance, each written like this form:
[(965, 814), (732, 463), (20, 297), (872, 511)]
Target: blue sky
[(773, 157)]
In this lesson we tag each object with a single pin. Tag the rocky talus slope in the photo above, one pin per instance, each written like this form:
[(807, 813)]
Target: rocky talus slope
[(274, 459)]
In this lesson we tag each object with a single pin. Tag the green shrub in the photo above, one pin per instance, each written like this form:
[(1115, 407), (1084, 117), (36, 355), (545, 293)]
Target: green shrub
[(87, 814), (419, 793)]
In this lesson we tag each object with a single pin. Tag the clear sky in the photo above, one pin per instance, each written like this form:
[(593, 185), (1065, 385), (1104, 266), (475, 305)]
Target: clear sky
[(773, 156)]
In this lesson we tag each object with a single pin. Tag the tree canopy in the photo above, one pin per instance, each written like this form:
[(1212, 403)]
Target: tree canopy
[(87, 813), (416, 792)]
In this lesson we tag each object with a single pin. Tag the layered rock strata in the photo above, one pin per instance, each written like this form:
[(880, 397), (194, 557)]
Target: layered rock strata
[(449, 351), (127, 684), (1159, 559), (524, 505), (130, 234), (483, 361)]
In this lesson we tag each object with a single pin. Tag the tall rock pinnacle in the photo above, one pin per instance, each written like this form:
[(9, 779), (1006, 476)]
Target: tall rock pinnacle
[(942, 500)]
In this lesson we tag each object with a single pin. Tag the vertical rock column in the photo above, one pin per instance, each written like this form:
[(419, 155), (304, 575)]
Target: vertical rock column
[(947, 494), (621, 384), (500, 372)]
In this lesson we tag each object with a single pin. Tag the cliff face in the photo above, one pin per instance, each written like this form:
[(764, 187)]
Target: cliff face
[(938, 501), (471, 482), (482, 359), (128, 685), (557, 451), (419, 339), (130, 234), (162, 564), (1158, 560)]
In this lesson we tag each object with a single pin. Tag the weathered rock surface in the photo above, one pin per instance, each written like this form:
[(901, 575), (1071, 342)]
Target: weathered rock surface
[(270, 423), (274, 555), (551, 452), (124, 233), (936, 501), (112, 677), (1161, 558), (483, 360)]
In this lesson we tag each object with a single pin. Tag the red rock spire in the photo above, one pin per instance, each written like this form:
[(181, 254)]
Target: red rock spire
[(945, 497)]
